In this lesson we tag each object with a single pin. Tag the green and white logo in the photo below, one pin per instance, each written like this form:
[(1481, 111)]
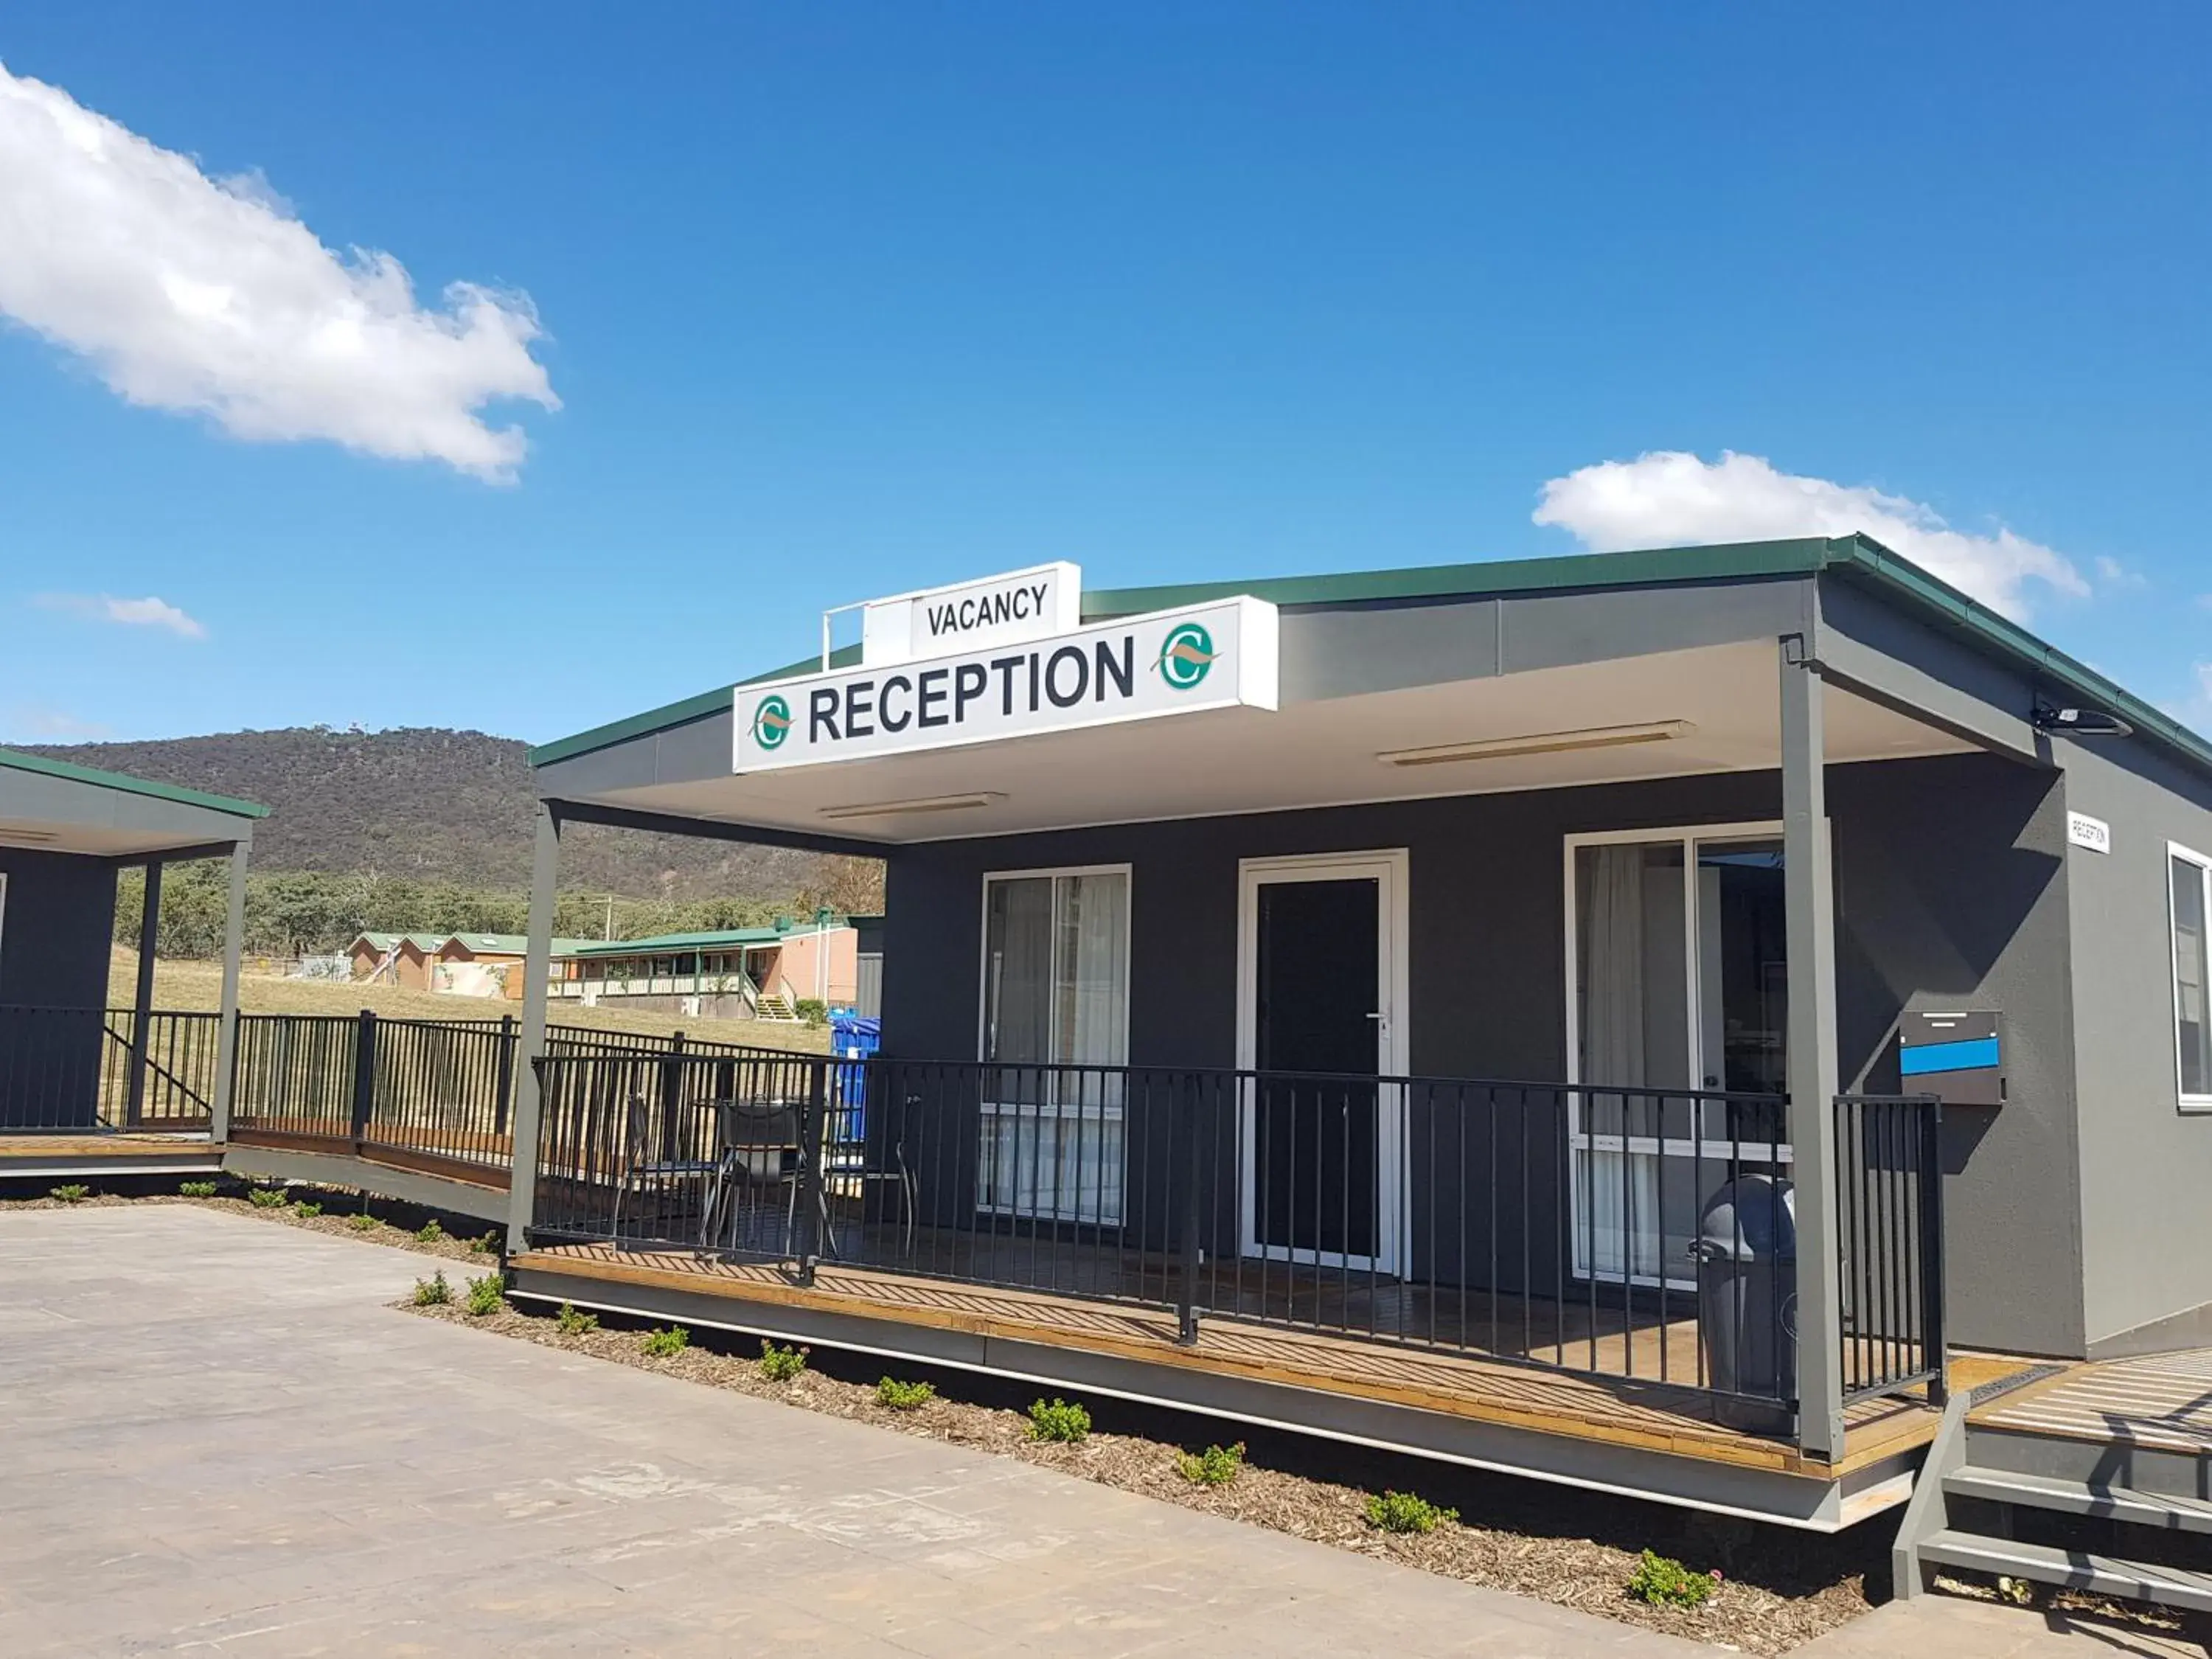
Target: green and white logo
[(771, 722), (1185, 655)]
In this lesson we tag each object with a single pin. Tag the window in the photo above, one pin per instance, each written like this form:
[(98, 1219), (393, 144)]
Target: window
[(1055, 1004), (1678, 981), (2188, 884)]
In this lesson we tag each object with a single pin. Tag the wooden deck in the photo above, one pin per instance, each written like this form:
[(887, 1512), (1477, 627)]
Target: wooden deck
[(2159, 1402), (1647, 1416), (33, 1156)]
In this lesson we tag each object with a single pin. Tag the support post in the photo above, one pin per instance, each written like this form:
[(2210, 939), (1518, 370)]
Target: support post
[(141, 1007), (234, 946), (502, 1088), (1809, 904), (811, 1205), (1193, 1148), (364, 1076), (537, 969)]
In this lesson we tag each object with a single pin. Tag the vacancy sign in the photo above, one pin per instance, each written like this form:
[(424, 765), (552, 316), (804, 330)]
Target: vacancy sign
[(1025, 604), (1148, 667)]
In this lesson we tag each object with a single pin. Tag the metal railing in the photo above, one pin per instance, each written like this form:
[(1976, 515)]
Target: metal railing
[(1542, 1222), (86, 1070), (1889, 1226)]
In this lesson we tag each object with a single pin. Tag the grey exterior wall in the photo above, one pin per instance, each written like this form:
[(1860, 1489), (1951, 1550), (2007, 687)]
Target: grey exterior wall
[(1950, 887), (54, 940), (2146, 1165)]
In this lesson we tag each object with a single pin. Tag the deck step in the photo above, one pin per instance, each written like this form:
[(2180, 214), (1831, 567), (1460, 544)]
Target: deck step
[(2169, 1587), (2144, 1509)]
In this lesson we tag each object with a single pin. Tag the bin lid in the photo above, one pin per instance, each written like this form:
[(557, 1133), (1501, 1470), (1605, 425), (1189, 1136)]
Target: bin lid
[(1753, 1218)]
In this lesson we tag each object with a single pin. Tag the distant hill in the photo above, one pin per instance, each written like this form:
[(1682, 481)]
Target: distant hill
[(428, 805)]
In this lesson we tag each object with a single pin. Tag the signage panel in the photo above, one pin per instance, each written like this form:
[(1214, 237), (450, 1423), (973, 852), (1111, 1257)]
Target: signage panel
[(1170, 662), (1022, 604), (2094, 834)]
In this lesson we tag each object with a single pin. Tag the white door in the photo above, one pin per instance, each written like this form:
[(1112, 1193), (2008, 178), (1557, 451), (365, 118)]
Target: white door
[(1322, 995)]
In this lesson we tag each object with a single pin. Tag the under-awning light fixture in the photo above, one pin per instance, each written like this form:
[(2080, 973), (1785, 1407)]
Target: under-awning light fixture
[(28, 837), (886, 809), (1539, 743)]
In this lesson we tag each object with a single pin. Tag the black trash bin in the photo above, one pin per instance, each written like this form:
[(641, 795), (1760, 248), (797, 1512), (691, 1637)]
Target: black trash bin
[(1746, 1256)]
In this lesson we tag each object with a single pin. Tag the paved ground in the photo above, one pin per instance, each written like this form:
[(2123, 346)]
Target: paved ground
[(1950, 1628), (219, 1441)]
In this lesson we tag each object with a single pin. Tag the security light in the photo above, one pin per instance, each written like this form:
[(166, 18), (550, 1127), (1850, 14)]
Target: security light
[(2080, 722)]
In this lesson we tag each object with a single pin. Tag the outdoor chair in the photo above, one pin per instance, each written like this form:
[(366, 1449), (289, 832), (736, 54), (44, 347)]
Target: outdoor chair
[(758, 1153), (644, 1172)]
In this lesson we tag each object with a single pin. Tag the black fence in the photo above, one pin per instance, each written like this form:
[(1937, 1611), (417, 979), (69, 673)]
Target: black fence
[(91, 1070), (1636, 1234), (1889, 1189)]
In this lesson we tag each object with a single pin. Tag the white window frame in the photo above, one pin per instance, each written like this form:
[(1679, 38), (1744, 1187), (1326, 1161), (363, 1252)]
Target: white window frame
[(1686, 836), (2175, 850), (1102, 1112)]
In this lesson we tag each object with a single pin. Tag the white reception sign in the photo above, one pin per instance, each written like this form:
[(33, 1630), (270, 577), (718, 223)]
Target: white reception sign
[(2082, 831), (1170, 662)]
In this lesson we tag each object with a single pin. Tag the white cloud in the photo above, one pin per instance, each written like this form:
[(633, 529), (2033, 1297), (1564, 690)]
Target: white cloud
[(1670, 497), (193, 293), (2112, 574), (149, 612)]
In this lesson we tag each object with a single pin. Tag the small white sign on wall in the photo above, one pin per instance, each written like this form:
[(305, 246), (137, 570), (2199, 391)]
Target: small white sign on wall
[(2094, 834)]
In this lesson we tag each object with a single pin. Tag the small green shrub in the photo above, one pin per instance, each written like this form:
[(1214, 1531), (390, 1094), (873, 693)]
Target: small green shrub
[(197, 1189), (267, 1198), (429, 1232), (1217, 1466), (1664, 1582), (782, 1364), (1405, 1511), (904, 1397), (570, 1322), (665, 1344), (486, 1295), (74, 1193), (364, 1222), (1059, 1421), (487, 1245), (812, 1009), (306, 1211), (433, 1292)]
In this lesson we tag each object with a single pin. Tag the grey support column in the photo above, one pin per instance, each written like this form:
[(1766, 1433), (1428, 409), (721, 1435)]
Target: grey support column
[(1809, 901), (536, 968), (141, 1006), (233, 945)]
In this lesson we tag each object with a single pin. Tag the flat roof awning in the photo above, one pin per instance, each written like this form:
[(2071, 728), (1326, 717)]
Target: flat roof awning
[(55, 807), (1677, 714)]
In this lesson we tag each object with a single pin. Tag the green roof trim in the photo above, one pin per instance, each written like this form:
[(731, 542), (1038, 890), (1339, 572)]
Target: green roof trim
[(1854, 557), (15, 759), (715, 939)]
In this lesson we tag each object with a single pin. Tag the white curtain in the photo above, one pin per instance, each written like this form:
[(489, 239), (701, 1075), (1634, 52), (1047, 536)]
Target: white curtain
[(1617, 1220), (1056, 1152)]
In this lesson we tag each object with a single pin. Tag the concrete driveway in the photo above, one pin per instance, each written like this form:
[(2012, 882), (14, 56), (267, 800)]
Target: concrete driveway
[(219, 1440)]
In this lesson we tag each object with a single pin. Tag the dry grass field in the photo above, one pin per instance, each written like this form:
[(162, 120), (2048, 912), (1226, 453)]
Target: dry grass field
[(185, 985)]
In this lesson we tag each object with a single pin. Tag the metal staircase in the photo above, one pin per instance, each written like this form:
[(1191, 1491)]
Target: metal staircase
[(1979, 1479)]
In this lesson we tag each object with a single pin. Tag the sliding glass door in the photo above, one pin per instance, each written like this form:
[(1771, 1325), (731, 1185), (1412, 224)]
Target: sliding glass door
[(1056, 995), (1677, 980)]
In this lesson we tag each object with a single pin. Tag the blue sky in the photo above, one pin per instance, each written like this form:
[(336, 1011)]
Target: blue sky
[(836, 300)]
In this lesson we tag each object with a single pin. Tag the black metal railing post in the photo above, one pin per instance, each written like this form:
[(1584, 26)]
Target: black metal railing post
[(1932, 1253), (671, 1098), (364, 1076), (1186, 1100), (808, 1196), (502, 1095)]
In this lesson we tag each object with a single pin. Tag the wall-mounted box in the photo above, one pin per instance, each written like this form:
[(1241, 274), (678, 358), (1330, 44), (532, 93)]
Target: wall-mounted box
[(1956, 1055)]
